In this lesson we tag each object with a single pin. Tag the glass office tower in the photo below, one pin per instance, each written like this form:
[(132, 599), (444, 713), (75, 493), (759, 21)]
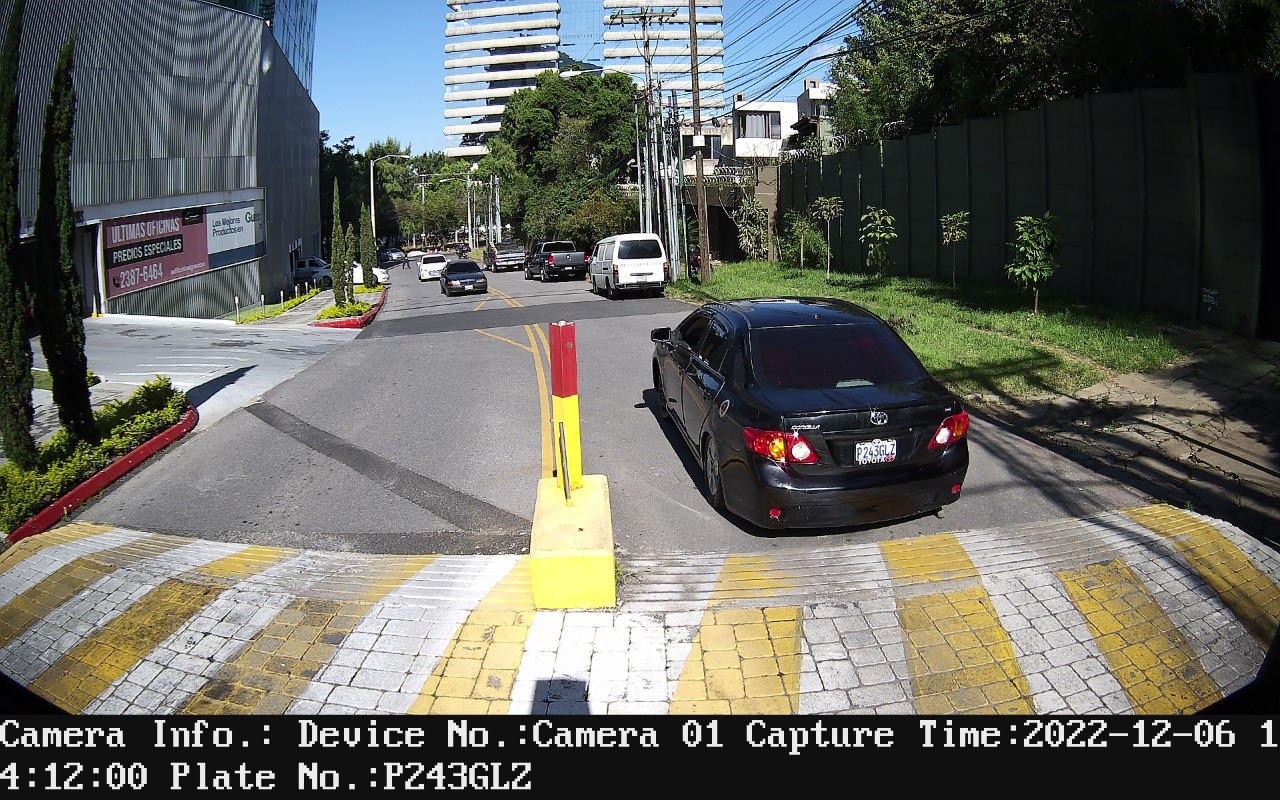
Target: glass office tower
[(495, 47), (293, 22)]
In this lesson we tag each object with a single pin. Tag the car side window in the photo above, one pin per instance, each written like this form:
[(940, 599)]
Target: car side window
[(691, 330), (714, 345)]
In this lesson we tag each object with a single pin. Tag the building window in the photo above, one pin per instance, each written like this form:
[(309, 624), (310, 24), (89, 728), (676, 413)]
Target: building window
[(713, 145), (760, 124)]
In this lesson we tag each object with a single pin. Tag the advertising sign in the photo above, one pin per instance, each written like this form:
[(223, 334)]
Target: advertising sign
[(151, 249), (232, 228)]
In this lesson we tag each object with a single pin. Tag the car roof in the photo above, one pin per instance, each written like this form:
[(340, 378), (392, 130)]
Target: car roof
[(777, 312)]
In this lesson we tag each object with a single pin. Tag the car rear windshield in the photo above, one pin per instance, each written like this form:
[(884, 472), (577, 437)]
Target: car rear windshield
[(831, 356), (511, 248), (640, 248), (558, 247)]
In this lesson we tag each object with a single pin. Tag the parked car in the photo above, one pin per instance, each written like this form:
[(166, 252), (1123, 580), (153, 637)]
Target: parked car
[(809, 413), (462, 276), (357, 274), (430, 265), (313, 271), (391, 256)]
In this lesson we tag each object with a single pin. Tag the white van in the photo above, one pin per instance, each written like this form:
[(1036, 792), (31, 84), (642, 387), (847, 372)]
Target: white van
[(629, 262)]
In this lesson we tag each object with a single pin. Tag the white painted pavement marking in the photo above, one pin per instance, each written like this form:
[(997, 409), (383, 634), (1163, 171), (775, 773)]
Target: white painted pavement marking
[(30, 654), (40, 565), (397, 644)]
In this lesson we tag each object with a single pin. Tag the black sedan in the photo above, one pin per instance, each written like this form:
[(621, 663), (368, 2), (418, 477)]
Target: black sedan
[(807, 413), (462, 276)]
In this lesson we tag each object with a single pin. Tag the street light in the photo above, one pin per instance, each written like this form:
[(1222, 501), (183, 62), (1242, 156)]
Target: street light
[(373, 211)]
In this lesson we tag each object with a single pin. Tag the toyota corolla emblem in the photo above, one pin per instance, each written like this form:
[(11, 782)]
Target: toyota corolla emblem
[(879, 418)]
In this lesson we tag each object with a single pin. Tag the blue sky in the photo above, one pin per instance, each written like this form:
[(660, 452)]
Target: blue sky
[(379, 72)]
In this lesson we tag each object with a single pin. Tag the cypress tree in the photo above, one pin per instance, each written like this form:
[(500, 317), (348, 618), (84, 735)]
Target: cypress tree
[(349, 252), (368, 252), (16, 409), (336, 241), (55, 285)]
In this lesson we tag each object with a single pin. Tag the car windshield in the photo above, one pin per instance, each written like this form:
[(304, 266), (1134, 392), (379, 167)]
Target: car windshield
[(831, 356), (433, 259), (464, 268), (640, 248)]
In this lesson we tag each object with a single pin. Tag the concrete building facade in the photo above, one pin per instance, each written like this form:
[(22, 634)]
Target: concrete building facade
[(195, 163)]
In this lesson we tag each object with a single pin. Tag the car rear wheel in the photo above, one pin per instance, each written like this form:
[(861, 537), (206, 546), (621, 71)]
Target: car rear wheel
[(609, 291), (711, 474), (326, 283)]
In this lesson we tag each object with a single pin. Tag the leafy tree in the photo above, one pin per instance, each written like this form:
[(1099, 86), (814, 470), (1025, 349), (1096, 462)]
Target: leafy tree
[(877, 233), (752, 221), (16, 409), (955, 229), (800, 239), (562, 141), (341, 168), (934, 62), (57, 294), (827, 209), (603, 214), (1035, 253), (368, 250)]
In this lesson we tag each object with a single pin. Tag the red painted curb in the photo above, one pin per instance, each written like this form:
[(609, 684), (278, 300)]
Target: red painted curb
[(51, 515), (354, 322)]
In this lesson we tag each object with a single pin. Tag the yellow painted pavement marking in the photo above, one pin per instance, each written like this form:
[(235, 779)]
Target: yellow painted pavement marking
[(92, 665), (1250, 594), (959, 655), (1153, 663), (281, 659), (478, 668), (743, 660), (18, 552), (40, 599), (36, 602)]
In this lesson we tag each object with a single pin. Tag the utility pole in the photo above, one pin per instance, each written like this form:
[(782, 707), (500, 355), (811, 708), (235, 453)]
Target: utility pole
[(700, 187), (651, 145)]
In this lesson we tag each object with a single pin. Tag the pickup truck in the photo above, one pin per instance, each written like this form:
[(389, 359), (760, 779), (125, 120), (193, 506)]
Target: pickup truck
[(503, 256), (548, 260)]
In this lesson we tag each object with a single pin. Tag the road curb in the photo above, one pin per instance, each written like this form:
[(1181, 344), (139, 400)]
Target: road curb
[(354, 322), (55, 512)]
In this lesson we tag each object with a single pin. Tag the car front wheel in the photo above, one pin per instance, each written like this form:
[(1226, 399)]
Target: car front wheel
[(663, 411)]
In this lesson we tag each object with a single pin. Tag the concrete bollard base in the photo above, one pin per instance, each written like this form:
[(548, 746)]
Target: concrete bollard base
[(571, 547)]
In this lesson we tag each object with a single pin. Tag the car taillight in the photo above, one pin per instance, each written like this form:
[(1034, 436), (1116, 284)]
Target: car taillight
[(951, 429), (779, 446), (551, 259)]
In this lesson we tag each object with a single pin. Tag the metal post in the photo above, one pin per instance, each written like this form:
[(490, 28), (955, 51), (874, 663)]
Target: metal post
[(704, 246)]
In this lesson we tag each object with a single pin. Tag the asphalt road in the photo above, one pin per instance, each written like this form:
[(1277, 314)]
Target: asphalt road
[(428, 432)]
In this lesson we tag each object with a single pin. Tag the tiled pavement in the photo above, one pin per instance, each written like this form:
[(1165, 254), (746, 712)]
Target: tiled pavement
[(1151, 610)]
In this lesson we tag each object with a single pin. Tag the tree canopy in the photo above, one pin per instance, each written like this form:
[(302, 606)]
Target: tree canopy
[(938, 62), (560, 152)]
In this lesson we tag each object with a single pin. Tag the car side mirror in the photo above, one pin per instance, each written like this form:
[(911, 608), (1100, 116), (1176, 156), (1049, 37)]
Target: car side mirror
[(660, 334)]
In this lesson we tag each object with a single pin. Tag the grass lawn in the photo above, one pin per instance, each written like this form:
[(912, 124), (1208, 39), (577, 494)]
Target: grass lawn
[(981, 340)]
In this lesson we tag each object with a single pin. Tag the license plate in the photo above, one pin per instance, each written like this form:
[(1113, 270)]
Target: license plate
[(876, 451)]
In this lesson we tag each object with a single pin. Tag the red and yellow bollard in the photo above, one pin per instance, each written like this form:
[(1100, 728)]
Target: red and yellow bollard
[(571, 547)]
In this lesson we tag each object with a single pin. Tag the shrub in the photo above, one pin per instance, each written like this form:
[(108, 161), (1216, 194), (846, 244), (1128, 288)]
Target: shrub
[(63, 462)]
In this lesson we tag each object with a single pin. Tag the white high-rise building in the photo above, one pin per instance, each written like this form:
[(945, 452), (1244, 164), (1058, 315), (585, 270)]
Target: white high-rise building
[(495, 47)]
